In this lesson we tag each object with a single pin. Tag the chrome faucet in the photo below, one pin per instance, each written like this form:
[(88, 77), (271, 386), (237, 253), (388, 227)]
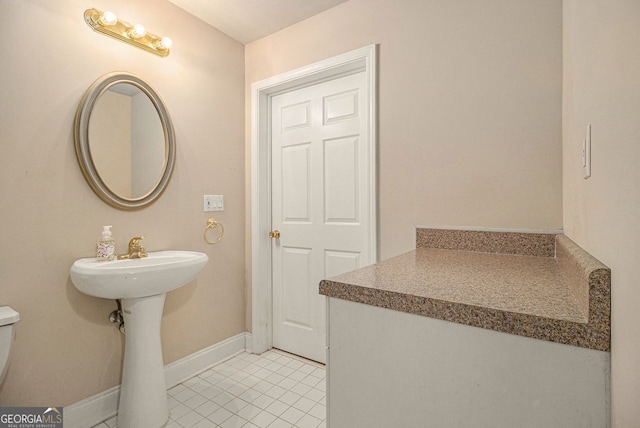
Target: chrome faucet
[(136, 251)]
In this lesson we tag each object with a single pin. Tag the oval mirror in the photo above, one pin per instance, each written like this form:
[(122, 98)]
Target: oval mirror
[(124, 141)]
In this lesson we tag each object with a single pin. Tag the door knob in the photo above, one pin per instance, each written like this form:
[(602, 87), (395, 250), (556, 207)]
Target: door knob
[(274, 234)]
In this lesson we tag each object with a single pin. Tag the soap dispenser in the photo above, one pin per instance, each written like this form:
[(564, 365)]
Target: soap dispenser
[(106, 246)]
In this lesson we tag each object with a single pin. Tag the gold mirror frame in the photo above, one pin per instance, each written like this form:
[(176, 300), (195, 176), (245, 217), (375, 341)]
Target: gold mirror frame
[(83, 151)]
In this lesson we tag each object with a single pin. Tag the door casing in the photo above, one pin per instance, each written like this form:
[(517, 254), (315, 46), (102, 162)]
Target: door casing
[(363, 59)]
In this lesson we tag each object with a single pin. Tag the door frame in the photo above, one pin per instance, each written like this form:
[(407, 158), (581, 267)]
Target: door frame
[(363, 59)]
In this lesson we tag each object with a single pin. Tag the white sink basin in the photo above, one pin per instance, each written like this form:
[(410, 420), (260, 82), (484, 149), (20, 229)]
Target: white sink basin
[(158, 273)]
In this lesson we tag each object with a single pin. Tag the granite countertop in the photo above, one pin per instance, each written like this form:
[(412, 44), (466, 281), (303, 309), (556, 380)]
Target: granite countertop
[(562, 299)]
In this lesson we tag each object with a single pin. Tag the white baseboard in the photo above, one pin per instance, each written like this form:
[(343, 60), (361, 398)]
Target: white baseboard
[(191, 365), (93, 410)]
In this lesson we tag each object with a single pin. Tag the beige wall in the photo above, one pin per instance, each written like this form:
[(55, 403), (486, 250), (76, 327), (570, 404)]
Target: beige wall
[(469, 107), (601, 214), (65, 349)]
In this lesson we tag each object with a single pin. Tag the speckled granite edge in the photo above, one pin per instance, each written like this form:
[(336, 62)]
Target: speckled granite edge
[(590, 282), (565, 332), (580, 272), (524, 244)]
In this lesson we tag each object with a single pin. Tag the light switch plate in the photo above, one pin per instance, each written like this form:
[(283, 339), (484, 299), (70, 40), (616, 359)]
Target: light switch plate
[(586, 154), (213, 203)]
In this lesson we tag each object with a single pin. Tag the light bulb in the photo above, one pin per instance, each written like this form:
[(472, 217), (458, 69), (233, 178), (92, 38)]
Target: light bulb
[(164, 43), (108, 18), (137, 31)]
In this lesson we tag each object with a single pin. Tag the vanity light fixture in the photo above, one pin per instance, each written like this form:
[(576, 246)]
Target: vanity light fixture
[(136, 35)]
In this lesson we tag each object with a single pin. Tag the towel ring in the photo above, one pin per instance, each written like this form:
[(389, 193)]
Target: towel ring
[(212, 224)]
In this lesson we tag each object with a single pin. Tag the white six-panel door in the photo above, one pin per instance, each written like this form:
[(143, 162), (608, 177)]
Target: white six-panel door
[(320, 200)]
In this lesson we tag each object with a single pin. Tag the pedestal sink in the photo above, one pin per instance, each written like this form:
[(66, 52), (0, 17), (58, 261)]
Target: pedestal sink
[(141, 285)]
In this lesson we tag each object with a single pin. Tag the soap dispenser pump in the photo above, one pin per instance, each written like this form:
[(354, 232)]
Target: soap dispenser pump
[(105, 248)]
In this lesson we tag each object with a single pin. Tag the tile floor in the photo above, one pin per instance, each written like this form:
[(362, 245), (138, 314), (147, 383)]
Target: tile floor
[(274, 390)]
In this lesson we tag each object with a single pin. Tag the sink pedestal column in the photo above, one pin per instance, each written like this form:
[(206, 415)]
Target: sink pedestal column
[(143, 393)]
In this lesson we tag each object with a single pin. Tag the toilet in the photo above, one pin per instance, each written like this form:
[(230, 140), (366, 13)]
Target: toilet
[(8, 318)]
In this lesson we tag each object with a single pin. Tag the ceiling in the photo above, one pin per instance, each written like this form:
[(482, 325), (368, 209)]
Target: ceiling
[(249, 20)]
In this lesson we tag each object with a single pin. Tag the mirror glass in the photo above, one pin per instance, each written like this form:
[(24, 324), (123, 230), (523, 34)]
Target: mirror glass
[(124, 141)]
